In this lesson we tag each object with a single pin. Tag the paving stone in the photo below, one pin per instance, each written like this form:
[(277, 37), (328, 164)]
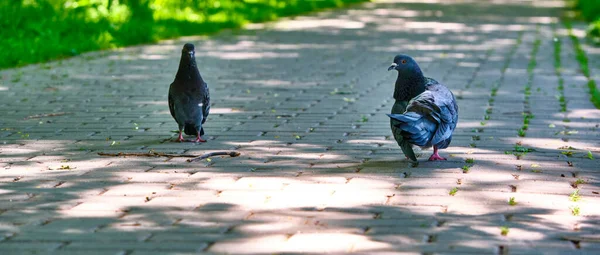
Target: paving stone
[(319, 171)]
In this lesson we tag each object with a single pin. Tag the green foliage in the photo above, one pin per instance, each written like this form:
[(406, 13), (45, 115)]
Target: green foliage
[(590, 9), (40, 30)]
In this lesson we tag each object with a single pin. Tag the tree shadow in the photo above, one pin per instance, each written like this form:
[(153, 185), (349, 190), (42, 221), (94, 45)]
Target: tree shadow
[(303, 100)]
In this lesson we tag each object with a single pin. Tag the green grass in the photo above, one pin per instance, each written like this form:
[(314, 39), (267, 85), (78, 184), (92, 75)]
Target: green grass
[(511, 201), (575, 210), (40, 30), (466, 169), (583, 64), (522, 132), (557, 71), (580, 181), (575, 197), (453, 191), (504, 230)]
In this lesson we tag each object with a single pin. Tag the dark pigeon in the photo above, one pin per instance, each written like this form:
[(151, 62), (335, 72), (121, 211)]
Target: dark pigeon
[(189, 100), (425, 112)]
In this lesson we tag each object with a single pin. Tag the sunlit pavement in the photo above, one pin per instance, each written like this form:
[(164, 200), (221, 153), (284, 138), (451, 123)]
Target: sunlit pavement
[(304, 101)]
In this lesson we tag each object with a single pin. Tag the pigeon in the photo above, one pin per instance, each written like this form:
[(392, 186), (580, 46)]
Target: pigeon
[(425, 112), (189, 99)]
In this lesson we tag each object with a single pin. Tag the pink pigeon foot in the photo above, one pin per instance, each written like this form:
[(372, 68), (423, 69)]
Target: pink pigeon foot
[(180, 139), (435, 156), (199, 139)]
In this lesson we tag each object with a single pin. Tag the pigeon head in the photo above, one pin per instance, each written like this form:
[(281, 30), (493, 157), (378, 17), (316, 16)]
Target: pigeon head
[(410, 81), (188, 51), (404, 64), (187, 64)]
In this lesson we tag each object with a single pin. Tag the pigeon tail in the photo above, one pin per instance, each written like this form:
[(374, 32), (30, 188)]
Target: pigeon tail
[(415, 128)]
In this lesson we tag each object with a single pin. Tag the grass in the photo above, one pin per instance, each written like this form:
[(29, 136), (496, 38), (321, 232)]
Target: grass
[(575, 210), (40, 30), (584, 66), (522, 132), (511, 201), (504, 230), (575, 197), (453, 191), (519, 151), (557, 71), (466, 168)]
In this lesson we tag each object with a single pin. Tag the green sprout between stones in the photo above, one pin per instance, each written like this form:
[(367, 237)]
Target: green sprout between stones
[(466, 168), (453, 191), (511, 201), (567, 153), (363, 118), (519, 151), (575, 210), (494, 91), (470, 161), (575, 197), (504, 230), (590, 155), (584, 66)]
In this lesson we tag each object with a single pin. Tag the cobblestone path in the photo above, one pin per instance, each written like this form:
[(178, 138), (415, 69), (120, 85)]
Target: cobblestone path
[(304, 101)]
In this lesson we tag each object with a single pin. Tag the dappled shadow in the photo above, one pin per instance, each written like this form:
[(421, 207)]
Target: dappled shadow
[(303, 100)]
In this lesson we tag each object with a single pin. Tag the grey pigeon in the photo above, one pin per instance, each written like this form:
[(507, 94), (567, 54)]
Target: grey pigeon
[(189, 100), (425, 112)]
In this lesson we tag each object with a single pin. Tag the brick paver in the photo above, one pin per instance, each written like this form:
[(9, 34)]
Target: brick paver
[(303, 100)]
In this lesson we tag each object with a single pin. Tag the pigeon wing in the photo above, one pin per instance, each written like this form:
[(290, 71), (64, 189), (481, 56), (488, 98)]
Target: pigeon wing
[(438, 106), (205, 103)]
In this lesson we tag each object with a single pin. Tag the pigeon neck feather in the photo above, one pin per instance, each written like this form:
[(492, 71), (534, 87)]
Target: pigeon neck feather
[(409, 86), (187, 69)]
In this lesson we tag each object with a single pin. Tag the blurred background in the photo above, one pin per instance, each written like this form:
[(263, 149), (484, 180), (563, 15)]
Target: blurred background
[(38, 30)]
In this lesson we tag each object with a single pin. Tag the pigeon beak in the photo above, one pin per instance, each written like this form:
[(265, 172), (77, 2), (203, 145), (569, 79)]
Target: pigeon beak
[(392, 67), (191, 54)]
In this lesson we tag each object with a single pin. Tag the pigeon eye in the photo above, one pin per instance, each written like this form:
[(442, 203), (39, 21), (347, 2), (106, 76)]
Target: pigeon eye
[(403, 61)]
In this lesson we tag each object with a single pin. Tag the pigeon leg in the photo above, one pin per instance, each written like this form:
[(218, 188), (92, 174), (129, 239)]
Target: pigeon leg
[(435, 155), (180, 139), (199, 139)]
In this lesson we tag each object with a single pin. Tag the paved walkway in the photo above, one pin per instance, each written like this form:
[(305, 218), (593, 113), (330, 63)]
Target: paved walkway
[(303, 100)]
